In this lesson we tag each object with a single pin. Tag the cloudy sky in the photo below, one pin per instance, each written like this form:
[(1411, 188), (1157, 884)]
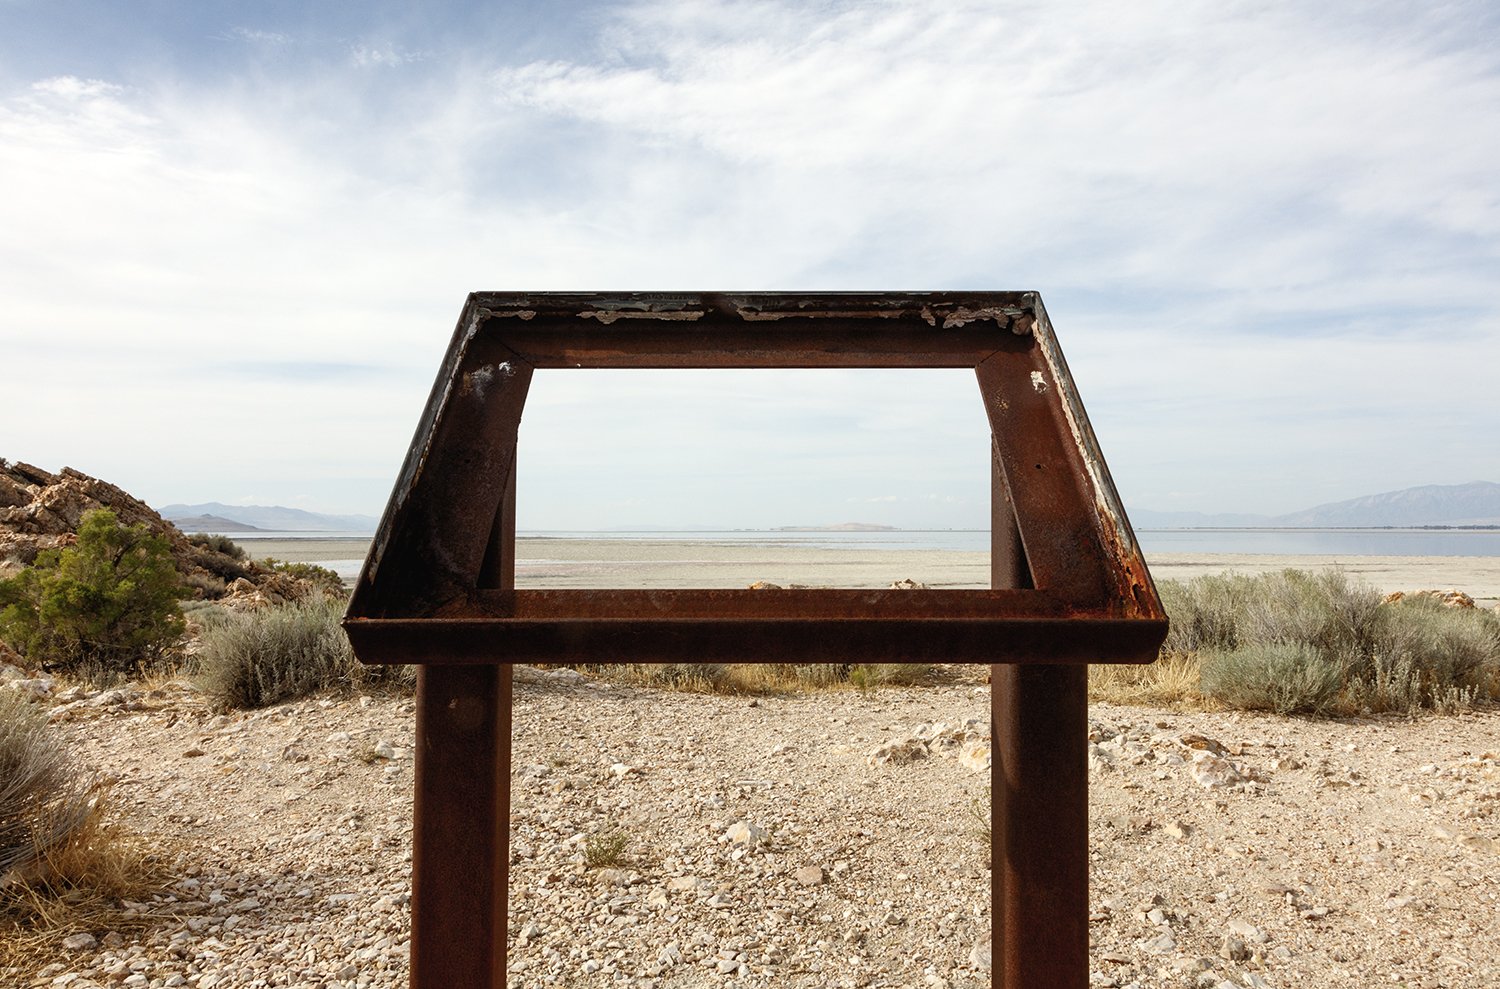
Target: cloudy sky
[(234, 239)]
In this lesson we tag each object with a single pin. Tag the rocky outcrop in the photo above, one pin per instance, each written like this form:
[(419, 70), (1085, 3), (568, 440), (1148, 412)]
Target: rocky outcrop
[(1448, 599), (40, 510)]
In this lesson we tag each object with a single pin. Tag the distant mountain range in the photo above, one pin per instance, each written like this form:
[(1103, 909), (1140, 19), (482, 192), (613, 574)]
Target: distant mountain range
[(1475, 503), (210, 516)]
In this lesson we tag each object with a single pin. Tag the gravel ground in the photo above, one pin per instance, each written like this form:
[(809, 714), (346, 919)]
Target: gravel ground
[(764, 848)]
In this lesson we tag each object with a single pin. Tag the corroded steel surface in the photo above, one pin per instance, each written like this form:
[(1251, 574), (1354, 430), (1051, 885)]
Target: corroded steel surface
[(1069, 586)]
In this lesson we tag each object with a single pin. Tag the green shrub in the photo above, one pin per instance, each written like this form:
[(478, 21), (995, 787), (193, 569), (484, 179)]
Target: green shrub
[(102, 607), (1324, 610), (605, 847), (1204, 613), (275, 654), (1448, 645), (220, 544), (43, 801), (1288, 678), (326, 580), (1426, 655), (226, 568), (1402, 656), (205, 586)]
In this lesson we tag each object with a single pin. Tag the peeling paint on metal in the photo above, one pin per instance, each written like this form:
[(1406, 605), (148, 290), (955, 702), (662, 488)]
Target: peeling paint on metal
[(1038, 381), (750, 315), (963, 316), (607, 316)]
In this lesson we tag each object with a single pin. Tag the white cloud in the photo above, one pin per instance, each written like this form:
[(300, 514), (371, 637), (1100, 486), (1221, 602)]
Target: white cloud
[(384, 56), (254, 36)]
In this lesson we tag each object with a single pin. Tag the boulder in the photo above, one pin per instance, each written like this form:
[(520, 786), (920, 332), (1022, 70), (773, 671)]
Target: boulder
[(1451, 598)]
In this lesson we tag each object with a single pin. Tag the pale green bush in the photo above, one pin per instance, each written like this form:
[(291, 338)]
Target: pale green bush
[(275, 654), (1288, 678)]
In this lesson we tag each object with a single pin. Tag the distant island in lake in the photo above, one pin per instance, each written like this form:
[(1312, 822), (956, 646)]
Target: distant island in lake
[(840, 527)]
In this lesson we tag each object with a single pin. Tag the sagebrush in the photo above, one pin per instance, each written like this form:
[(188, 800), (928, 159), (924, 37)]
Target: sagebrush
[(270, 655), (1300, 641)]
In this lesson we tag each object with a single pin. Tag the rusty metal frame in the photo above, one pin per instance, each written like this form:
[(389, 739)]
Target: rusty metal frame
[(1068, 587)]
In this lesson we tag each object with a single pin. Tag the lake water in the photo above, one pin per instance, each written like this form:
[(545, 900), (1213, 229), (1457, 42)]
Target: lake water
[(1156, 542), (1310, 542)]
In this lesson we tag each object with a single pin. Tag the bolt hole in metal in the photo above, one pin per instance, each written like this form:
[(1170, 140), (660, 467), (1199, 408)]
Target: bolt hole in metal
[(724, 478)]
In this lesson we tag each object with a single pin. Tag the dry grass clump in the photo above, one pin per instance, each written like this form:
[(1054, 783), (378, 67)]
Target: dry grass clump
[(66, 864), (271, 655), (760, 678), (42, 799), (693, 677), (605, 847), (1311, 642), (1171, 681)]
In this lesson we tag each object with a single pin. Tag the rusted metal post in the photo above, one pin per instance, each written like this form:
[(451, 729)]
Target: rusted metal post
[(1040, 873), (1069, 587), (460, 831), (1008, 567)]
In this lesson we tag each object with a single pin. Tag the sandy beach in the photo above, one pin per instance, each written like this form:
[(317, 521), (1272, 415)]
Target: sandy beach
[(559, 562)]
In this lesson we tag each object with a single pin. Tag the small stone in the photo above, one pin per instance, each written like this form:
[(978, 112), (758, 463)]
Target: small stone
[(590, 967), (897, 753), (1178, 829), (980, 954), (1246, 930), (80, 942), (746, 834), (383, 750), (1233, 949), (193, 753), (975, 756), (1212, 771), (810, 875), (1162, 944)]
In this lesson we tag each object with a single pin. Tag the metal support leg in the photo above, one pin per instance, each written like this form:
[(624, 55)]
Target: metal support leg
[(1039, 776), (460, 835)]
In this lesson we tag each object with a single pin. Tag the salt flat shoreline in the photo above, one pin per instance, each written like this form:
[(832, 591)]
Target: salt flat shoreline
[(667, 563)]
